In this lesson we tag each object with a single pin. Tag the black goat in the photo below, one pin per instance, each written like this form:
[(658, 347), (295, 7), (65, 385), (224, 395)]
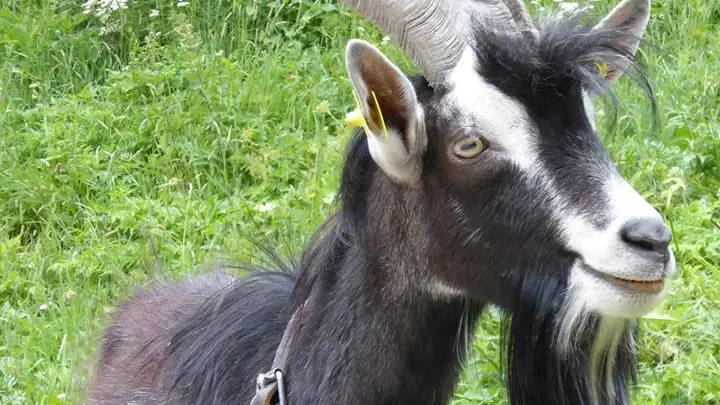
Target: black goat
[(482, 182)]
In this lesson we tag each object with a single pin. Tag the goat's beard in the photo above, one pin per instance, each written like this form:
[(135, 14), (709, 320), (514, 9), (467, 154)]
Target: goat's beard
[(558, 353)]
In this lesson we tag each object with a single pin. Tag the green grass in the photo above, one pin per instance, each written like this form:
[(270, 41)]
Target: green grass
[(162, 144)]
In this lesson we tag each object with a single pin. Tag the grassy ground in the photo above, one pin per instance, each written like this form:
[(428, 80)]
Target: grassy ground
[(131, 136)]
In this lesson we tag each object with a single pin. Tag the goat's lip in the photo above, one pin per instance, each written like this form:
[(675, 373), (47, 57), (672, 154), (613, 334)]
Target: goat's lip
[(654, 286)]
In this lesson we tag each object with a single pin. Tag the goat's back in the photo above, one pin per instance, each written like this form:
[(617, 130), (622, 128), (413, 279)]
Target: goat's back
[(199, 341)]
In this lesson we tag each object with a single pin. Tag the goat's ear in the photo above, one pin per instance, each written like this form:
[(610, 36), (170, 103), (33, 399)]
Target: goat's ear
[(624, 27), (389, 105)]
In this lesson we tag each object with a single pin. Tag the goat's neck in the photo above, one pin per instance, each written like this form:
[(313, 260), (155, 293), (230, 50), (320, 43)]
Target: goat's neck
[(369, 336)]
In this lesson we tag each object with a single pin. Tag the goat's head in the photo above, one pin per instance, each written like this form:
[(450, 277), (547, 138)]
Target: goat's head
[(500, 141)]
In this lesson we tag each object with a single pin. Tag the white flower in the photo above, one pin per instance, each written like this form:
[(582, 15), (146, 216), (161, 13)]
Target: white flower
[(112, 5), (385, 40), (182, 3), (154, 13), (268, 206), (101, 8), (60, 396), (89, 6), (43, 307), (329, 198)]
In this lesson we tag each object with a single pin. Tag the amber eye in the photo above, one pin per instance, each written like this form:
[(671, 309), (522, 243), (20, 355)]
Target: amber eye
[(468, 147)]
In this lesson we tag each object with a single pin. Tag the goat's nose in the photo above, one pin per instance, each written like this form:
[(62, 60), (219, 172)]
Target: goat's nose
[(647, 233)]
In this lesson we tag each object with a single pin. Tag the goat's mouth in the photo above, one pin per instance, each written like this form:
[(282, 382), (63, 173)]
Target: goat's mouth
[(651, 286)]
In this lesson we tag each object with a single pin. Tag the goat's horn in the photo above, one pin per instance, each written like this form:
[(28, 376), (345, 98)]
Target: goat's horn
[(427, 30), (522, 19), (434, 33)]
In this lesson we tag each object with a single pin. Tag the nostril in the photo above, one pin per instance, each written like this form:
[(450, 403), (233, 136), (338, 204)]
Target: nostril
[(647, 233)]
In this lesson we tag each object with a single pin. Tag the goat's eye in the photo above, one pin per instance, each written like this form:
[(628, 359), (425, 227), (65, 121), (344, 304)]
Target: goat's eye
[(468, 147)]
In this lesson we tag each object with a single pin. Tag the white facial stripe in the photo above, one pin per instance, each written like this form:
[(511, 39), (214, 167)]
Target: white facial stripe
[(505, 121), (502, 119), (626, 203)]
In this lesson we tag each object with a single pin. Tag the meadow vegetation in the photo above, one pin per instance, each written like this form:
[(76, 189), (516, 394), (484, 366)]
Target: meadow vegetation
[(158, 137)]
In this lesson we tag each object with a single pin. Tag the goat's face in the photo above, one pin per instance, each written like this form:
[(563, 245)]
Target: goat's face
[(514, 180)]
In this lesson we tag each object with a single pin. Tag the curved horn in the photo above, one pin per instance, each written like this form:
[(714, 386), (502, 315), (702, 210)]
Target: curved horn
[(427, 30), (522, 19), (434, 33)]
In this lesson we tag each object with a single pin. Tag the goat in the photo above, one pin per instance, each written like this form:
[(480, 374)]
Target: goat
[(481, 182)]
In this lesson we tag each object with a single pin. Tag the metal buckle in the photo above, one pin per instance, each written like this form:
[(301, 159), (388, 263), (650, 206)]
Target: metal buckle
[(265, 389), (270, 383)]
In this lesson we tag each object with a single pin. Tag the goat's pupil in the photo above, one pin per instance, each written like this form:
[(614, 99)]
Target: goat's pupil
[(467, 146)]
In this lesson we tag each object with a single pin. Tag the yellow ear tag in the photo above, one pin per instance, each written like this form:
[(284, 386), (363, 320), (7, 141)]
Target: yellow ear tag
[(356, 118), (382, 120), (603, 69)]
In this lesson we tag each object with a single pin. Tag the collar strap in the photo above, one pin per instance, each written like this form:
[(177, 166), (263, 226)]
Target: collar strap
[(273, 382)]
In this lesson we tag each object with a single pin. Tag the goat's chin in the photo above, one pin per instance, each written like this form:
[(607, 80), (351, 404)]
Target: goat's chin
[(592, 290)]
